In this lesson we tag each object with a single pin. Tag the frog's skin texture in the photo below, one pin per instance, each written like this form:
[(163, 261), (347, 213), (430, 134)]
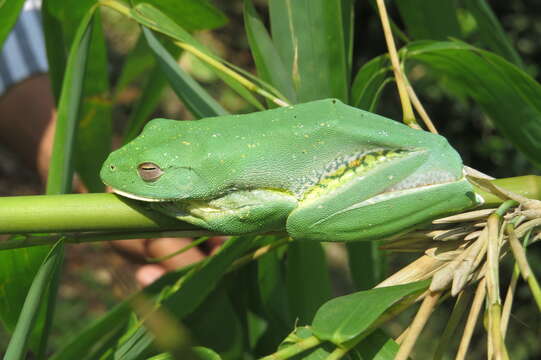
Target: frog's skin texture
[(322, 171)]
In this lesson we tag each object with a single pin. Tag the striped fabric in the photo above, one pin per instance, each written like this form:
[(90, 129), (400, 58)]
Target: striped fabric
[(23, 53)]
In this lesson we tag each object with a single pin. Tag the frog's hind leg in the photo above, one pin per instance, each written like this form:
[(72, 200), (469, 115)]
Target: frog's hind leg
[(368, 203)]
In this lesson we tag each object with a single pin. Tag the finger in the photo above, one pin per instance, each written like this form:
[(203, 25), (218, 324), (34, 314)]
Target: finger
[(157, 248), (147, 274)]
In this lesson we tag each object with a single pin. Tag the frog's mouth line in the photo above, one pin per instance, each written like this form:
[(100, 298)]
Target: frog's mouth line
[(140, 198)]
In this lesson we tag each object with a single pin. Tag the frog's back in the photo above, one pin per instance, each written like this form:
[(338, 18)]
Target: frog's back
[(288, 148)]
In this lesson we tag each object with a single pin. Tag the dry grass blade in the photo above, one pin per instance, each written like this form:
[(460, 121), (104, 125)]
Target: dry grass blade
[(427, 306), (522, 262), (420, 269), (464, 217), (521, 230), (461, 303), (508, 302), (475, 309), (409, 117), (496, 344), (471, 261)]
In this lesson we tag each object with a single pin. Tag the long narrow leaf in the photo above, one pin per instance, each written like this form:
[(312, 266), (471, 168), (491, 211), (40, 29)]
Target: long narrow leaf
[(9, 12), (94, 133), (309, 36), (154, 19), (510, 97), (366, 264), (60, 23), (267, 60), (18, 344), (196, 99), (61, 167), (369, 82), (189, 292), (491, 32), (191, 14), (308, 281)]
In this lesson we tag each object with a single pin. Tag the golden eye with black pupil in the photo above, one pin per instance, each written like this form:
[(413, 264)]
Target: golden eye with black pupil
[(149, 171)]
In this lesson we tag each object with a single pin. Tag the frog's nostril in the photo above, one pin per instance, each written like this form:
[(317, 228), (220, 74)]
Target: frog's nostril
[(112, 167)]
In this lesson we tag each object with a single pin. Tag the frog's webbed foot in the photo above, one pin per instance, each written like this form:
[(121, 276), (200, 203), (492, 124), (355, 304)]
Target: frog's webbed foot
[(239, 212)]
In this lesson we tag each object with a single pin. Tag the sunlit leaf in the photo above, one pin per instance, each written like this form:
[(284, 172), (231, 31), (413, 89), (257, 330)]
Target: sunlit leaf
[(510, 97), (345, 317), (191, 14), (196, 99), (309, 36), (9, 12)]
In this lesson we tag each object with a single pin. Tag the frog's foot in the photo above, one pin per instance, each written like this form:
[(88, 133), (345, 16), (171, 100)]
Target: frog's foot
[(239, 212)]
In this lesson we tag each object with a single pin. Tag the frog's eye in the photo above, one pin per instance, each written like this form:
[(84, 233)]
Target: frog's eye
[(149, 171)]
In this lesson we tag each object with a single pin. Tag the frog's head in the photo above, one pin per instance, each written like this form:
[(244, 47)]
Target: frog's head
[(146, 169)]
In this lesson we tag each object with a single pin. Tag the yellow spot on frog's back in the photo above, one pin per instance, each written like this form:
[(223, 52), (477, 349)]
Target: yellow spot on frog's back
[(186, 142), (306, 136)]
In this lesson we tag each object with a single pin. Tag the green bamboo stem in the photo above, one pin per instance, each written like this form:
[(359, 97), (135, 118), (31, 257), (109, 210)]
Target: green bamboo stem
[(528, 186), (80, 212), (76, 213)]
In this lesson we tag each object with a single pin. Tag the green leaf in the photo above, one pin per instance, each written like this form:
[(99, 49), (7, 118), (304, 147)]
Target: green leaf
[(34, 299), (491, 32), (190, 14), (434, 20), (346, 317), (268, 63), (93, 339), (188, 292), (154, 19), (60, 23), (366, 263), (309, 36), (308, 281), (61, 166), (508, 95), (227, 338), (196, 99), (202, 353), (274, 298), (370, 82), (376, 346), (17, 269), (94, 132), (9, 13)]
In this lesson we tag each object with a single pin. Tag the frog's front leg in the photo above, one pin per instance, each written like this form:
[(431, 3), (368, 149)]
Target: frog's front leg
[(239, 212), (385, 199)]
